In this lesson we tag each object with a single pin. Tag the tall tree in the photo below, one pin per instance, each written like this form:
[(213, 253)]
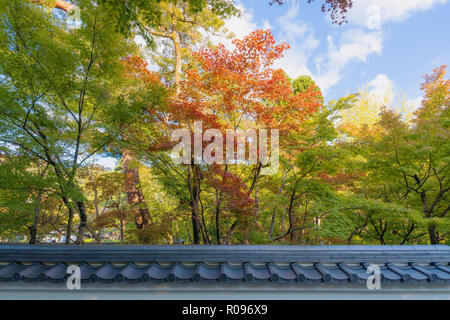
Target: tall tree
[(144, 93), (180, 22), (56, 88), (234, 90), (183, 26)]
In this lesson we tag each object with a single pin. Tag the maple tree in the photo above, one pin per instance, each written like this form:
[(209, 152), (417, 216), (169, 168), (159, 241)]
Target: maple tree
[(303, 197), (238, 90)]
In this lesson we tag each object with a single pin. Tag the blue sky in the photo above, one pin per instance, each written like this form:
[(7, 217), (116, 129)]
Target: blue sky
[(386, 43)]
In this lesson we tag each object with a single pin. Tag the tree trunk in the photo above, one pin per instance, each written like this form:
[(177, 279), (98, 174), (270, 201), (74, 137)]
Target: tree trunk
[(59, 4), (33, 228), (434, 239), (97, 214), (274, 212), (205, 235), (69, 221), (196, 229), (349, 239), (69, 227), (135, 196), (230, 232), (178, 59), (121, 228), (217, 221), (83, 221), (195, 216), (291, 207), (194, 192)]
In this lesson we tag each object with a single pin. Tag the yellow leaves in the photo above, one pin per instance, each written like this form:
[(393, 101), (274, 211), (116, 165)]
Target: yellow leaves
[(365, 111), (363, 118)]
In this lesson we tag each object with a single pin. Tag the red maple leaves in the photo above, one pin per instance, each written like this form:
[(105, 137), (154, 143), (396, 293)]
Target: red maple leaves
[(238, 89)]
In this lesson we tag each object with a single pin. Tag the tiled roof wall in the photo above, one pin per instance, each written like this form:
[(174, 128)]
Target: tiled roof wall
[(296, 264)]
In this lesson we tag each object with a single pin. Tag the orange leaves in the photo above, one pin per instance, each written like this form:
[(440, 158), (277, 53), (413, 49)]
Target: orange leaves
[(239, 90), (436, 84), (340, 178), (435, 79), (436, 94), (252, 54), (136, 68), (238, 199), (232, 86), (110, 218)]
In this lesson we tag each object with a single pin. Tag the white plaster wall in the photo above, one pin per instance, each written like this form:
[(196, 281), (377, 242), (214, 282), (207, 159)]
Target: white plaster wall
[(222, 291)]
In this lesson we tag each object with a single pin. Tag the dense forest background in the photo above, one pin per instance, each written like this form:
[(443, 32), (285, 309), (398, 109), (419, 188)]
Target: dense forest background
[(352, 170)]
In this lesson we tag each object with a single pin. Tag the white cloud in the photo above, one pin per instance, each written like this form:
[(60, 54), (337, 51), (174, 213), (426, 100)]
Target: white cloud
[(354, 45), (390, 10), (302, 41), (407, 108), (381, 86), (357, 44), (383, 92), (243, 25), (297, 33), (347, 46), (414, 103), (239, 26)]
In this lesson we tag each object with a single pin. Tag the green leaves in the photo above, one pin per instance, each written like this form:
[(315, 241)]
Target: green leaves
[(405, 166)]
